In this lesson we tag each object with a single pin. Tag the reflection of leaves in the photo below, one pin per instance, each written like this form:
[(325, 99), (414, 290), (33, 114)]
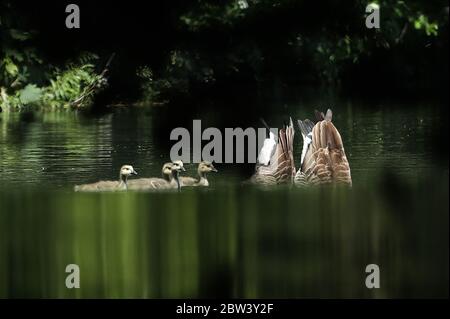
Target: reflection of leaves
[(30, 94)]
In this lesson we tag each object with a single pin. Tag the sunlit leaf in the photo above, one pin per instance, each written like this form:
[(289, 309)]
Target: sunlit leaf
[(30, 94)]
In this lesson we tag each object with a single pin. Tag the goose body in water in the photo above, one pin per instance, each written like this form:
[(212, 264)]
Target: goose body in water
[(102, 186), (276, 158), (203, 169), (169, 180), (323, 159)]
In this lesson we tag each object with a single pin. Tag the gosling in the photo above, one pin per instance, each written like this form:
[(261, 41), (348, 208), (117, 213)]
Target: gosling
[(170, 179), (102, 186), (204, 168)]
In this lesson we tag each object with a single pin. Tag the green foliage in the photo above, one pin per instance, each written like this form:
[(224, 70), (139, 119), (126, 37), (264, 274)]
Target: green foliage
[(153, 90), (423, 23), (19, 35), (209, 14), (181, 70), (30, 94), (10, 69), (68, 85), (343, 39), (75, 86), (235, 40), (331, 56), (15, 62)]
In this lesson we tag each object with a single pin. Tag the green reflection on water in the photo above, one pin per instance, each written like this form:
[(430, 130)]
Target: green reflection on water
[(230, 242)]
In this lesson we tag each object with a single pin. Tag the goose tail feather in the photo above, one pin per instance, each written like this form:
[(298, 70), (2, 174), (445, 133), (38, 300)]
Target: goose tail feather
[(306, 128)]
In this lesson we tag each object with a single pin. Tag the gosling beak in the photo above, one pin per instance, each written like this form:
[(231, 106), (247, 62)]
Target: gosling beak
[(134, 172), (183, 169), (214, 169)]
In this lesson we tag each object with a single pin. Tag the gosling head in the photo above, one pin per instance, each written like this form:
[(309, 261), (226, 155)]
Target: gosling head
[(167, 169), (178, 166), (206, 167), (126, 171)]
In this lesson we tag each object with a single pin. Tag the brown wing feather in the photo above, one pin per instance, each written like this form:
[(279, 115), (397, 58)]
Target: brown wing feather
[(325, 161), (319, 115), (281, 168)]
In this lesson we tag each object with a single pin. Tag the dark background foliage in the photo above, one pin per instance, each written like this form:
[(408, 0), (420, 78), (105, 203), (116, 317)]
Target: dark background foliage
[(198, 47)]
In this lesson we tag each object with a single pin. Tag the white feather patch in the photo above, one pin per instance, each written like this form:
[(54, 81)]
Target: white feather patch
[(307, 140), (267, 150)]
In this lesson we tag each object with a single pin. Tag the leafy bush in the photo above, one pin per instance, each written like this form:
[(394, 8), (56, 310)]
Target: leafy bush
[(74, 86), (70, 85)]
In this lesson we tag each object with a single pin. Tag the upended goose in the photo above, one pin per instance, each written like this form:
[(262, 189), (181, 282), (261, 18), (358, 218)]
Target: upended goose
[(276, 158), (323, 159), (169, 180), (101, 186), (203, 169)]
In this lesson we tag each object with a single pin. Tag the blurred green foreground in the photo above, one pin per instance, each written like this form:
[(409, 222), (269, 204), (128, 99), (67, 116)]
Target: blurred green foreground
[(231, 242)]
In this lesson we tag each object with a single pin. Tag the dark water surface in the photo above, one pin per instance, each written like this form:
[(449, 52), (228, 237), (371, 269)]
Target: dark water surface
[(229, 240)]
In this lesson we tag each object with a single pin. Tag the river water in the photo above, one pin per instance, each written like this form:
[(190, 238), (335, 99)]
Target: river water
[(230, 240)]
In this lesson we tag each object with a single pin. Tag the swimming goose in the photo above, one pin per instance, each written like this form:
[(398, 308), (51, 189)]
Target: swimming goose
[(323, 159), (120, 185), (276, 160), (169, 180), (203, 168)]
